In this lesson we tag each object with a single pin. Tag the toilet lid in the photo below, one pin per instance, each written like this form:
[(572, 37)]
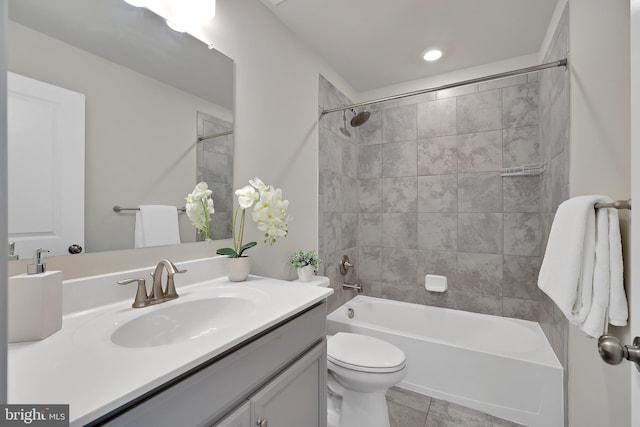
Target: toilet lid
[(364, 353)]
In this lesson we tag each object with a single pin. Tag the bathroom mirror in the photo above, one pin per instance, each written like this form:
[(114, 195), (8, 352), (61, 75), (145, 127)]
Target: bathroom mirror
[(151, 95)]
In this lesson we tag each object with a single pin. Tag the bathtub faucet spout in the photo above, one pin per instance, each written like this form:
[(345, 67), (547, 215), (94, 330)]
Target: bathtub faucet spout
[(355, 287)]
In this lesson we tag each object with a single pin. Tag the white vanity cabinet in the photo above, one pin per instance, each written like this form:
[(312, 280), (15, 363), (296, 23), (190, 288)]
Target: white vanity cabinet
[(277, 378)]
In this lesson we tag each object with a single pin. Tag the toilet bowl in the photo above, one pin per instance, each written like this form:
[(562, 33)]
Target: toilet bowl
[(361, 370)]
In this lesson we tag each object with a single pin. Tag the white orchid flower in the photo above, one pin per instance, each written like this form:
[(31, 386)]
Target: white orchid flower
[(246, 196)]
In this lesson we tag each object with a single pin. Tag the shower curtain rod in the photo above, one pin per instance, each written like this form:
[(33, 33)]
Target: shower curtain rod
[(215, 135), (560, 63)]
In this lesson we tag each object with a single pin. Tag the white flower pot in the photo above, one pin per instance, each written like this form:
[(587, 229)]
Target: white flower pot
[(238, 269), (305, 273)]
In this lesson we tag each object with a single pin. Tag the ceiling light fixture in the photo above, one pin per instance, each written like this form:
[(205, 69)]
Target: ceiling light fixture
[(432, 55), (182, 15)]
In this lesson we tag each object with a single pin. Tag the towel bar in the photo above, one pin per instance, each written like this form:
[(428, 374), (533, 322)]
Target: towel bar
[(618, 204), (117, 208)]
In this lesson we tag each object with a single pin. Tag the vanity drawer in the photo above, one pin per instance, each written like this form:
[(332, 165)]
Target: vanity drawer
[(212, 390)]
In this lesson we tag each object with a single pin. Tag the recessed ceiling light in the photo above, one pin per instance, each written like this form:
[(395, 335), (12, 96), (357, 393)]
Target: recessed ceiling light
[(432, 55)]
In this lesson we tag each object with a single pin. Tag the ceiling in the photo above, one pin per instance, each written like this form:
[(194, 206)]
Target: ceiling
[(377, 43)]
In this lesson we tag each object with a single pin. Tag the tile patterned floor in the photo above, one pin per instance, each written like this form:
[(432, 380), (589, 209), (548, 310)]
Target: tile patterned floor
[(409, 409)]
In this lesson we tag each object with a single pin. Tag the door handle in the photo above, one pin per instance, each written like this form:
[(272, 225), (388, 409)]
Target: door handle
[(613, 352)]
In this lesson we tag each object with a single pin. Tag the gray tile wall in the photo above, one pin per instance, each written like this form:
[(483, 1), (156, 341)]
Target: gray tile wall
[(339, 227), (431, 198), (554, 148), (417, 190), (214, 165)]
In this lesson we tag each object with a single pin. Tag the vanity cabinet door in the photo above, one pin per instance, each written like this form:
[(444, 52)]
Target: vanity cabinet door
[(297, 397), (241, 417)]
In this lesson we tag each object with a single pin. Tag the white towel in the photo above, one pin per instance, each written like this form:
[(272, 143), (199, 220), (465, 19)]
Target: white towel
[(156, 225), (582, 267)]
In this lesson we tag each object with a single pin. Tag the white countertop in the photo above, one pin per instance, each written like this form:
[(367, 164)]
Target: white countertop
[(80, 365)]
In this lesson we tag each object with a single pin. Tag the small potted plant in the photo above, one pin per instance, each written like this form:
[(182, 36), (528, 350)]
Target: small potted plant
[(305, 263)]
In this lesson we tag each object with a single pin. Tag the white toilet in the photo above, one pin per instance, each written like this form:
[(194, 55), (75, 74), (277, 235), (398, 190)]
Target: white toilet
[(361, 370)]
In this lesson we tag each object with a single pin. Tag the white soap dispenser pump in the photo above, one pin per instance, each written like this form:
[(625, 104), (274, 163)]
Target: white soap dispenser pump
[(35, 302), (38, 266)]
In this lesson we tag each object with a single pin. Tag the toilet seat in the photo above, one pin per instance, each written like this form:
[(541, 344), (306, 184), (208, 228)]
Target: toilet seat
[(364, 353)]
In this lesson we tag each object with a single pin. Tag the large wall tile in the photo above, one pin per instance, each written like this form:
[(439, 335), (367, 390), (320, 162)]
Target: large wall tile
[(350, 160), (349, 230), (520, 277), (520, 308), (521, 193), (438, 193), (399, 159), (522, 234), (370, 195), (438, 155), (370, 161), (440, 263), (370, 229), (479, 112), (437, 118), (399, 268), (371, 131), (399, 124), (505, 82), (400, 194), (480, 152), (477, 303), (399, 230), (520, 105), (521, 146), (437, 231), (480, 232), (480, 192), (370, 266), (456, 91), (479, 273)]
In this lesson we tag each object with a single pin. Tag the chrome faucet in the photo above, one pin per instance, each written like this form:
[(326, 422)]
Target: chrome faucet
[(157, 294)]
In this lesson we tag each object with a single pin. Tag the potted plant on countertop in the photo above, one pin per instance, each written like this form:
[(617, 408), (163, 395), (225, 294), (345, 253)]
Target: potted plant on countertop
[(269, 213), (306, 263)]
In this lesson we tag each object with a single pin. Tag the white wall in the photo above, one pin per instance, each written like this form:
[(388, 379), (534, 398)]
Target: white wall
[(140, 133), (276, 120), (600, 164)]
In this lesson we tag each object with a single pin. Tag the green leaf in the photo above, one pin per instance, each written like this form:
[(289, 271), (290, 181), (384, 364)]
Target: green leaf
[(228, 251), (246, 246)]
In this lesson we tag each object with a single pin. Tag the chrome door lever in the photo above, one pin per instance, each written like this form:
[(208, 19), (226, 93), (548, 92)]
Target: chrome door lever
[(613, 352)]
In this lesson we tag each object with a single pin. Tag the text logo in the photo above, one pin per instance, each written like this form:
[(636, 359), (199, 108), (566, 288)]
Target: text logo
[(34, 415)]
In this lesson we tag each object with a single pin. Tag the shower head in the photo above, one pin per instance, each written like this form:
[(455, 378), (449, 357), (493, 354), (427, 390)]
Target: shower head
[(344, 129), (359, 118)]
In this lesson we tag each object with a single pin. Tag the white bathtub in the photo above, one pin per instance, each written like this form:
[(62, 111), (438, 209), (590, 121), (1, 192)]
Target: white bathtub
[(501, 366)]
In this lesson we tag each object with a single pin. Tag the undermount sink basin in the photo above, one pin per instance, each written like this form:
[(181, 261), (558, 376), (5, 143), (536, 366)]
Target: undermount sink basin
[(181, 322)]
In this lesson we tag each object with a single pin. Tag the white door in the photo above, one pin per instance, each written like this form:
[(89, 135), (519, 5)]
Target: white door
[(45, 166), (634, 289)]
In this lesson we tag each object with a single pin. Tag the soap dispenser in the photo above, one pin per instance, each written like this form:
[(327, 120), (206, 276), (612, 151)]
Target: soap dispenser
[(35, 302)]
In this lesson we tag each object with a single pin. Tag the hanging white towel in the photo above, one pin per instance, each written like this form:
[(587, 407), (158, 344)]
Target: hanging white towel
[(582, 267), (156, 225)]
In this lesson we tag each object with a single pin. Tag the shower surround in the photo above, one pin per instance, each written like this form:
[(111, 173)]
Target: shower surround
[(430, 198)]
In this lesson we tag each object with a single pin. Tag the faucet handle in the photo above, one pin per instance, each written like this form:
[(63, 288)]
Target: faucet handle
[(175, 268), (141, 293), (170, 292)]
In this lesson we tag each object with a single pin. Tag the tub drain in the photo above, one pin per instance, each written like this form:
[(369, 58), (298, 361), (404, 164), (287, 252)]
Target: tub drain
[(350, 313)]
